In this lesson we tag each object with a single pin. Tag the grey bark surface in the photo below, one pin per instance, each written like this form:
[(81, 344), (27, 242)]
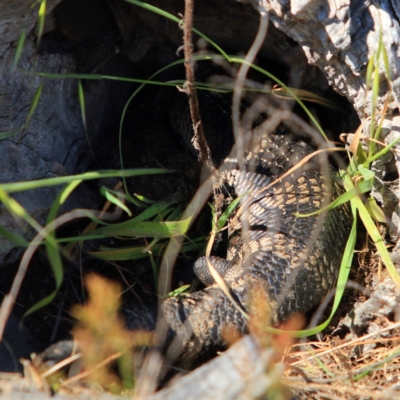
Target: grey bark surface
[(53, 140), (236, 374)]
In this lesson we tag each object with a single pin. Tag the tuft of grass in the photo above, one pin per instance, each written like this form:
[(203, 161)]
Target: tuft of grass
[(360, 160)]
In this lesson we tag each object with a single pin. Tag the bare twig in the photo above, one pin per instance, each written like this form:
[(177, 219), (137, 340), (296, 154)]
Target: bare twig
[(358, 340), (199, 139), (240, 80)]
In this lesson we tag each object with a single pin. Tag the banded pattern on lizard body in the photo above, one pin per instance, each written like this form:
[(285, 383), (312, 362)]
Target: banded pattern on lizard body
[(295, 260)]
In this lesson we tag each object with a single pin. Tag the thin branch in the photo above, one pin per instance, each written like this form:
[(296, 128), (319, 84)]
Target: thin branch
[(199, 139), (240, 80)]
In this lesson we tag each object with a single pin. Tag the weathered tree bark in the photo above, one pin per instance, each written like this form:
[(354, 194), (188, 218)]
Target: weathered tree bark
[(51, 143), (340, 37)]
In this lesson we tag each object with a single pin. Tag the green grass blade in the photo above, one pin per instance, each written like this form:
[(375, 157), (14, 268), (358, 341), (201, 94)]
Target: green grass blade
[(32, 107), (82, 105), (73, 75), (370, 68), (379, 243), (155, 10), (40, 304), (81, 238), (137, 252), (29, 185), (386, 63), (114, 200), (92, 77), (226, 214), (81, 95), (375, 94), (61, 198), (381, 153), (51, 245), (56, 267), (179, 291), (375, 211), (152, 211), (18, 51), (342, 278), (304, 95), (374, 234), (41, 21), (6, 135), (52, 250), (16, 239), (374, 100), (143, 229), (176, 214), (144, 200), (162, 216), (165, 14), (16, 209)]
